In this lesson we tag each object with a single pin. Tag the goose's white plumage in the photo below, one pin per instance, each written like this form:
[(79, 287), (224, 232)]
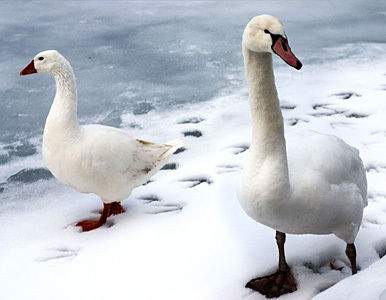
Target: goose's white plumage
[(304, 183), (104, 160), (93, 158)]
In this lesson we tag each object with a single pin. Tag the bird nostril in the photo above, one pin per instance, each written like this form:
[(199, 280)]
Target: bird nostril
[(284, 46)]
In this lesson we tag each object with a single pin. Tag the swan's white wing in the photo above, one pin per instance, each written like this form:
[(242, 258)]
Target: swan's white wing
[(313, 155)]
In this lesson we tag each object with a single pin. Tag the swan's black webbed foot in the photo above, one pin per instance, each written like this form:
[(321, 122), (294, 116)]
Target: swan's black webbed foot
[(274, 285), (279, 283)]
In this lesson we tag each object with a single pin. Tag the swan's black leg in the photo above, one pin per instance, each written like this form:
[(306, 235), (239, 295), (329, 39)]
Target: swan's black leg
[(280, 240), (279, 283), (352, 255)]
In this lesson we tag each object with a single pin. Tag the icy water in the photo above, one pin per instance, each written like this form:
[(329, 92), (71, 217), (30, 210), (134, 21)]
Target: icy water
[(165, 70), (137, 57)]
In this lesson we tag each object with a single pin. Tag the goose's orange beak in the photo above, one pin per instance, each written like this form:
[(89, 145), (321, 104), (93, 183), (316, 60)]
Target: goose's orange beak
[(282, 48), (30, 69)]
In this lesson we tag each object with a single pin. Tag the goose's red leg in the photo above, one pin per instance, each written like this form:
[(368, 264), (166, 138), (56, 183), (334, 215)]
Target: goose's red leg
[(88, 225), (116, 208)]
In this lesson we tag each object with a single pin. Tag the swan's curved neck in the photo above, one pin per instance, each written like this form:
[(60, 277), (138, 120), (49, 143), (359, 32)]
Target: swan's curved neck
[(268, 142), (263, 100), (63, 112)]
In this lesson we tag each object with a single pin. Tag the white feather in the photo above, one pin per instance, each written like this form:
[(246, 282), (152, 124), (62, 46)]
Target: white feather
[(304, 183), (93, 158)]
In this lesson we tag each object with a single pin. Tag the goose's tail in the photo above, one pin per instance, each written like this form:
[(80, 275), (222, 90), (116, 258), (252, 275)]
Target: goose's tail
[(155, 156), (170, 147), (174, 145)]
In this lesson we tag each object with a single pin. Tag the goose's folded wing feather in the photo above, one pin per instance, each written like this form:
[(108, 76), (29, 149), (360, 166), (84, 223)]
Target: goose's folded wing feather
[(111, 150), (149, 154)]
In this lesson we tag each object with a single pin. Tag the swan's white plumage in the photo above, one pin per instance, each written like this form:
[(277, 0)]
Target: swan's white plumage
[(305, 182), (327, 189), (93, 158)]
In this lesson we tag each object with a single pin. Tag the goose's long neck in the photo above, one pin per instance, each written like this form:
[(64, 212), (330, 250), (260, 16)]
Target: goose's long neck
[(268, 147), (63, 113)]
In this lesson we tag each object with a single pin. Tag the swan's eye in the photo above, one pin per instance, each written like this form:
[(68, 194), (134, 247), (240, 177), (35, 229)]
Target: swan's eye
[(266, 30), (41, 58)]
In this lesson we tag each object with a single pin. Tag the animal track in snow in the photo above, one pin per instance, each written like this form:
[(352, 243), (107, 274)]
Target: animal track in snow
[(325, 110), (317, 106), (294, 121), (58, 253), (155, 205), (150, 198), (158, 208), (315, 268), (346, 95), (357, 116), (149, 181), (194, 133), (170, 166), (220, 169), (237, 149), (194, 120), (179, 150), (195, 181), (287, 106), (325, 266)]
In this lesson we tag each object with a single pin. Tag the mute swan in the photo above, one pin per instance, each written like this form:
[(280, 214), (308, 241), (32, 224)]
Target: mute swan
[(97, 159), (317, 186)]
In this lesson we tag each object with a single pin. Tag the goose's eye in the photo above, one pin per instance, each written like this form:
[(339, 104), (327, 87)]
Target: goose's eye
[(266, 30), (41, 58)]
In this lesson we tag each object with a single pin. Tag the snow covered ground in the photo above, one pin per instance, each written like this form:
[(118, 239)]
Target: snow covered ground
[(184, 235)]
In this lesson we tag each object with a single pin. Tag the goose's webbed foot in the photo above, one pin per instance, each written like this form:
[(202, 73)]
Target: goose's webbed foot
[(88, 225), (116, 208)]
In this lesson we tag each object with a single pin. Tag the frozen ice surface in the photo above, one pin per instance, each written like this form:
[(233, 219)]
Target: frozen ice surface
[(159, 71)]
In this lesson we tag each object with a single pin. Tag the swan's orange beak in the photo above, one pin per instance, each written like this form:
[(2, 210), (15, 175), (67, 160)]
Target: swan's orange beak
[(281, 48), (30, 69)]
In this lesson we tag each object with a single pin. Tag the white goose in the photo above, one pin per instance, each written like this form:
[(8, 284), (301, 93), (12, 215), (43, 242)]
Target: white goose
[(315, 186), (97, 159)]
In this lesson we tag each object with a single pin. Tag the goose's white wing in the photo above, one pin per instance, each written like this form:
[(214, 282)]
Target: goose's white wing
[(111, 150)]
